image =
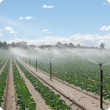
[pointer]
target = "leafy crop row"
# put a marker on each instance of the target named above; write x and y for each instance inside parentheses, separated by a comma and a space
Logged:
(4, 61)
(23, 95)
(3, 78)
(51, 98)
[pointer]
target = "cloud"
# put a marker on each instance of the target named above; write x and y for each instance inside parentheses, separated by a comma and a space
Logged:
(21, 18)
(0, 34)
(45, 6)
(45, 30)
(48, 32)
(105, 28)
(13, 31)
(10, 29)
(26, 34)
(104, 3)
(34, 17)
(1, 30)
(1, 1)
(84, 40)
(28, 18)
(108, 1)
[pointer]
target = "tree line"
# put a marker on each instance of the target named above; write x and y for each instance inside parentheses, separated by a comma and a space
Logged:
(58, 45)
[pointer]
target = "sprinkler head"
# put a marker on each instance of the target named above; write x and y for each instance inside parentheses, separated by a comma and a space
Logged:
(100, 65)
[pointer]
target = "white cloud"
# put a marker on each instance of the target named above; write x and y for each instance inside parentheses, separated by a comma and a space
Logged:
(108, 1)
(45, 6)
(13, 31)
(0, 34)
(28, 18)
(21, 18)
(45, 30)
(34, 17)
(84, 40)
(26, 34)
(105, 28)
(10, 29)
(104, 3)
(48, 32)
(1, 30)
(1, 1)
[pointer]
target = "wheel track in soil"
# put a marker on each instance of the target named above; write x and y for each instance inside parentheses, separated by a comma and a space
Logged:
(92, 96)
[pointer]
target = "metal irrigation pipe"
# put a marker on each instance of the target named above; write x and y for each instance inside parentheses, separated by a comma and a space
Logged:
(101, 86)
(50, 70)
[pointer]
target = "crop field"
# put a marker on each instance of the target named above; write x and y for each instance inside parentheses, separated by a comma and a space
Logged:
(25, 82)
(78, 71)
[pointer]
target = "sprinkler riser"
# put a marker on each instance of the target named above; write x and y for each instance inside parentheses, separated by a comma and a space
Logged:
(50, 70)
(101, 87)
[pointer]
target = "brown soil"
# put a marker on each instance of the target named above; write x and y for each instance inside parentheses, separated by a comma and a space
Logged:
(40, 103)
(80, 97)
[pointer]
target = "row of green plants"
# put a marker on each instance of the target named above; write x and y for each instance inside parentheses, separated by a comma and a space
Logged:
(49, 96)
(3, 56)
(3, 77)
(79, 72)
(2, 53)
(3, 62)
(24, 97)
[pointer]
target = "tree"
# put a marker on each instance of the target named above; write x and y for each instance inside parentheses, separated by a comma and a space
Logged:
(65, 45)
(71, 45)
(78, 45)
(13, 44)
(102, 45)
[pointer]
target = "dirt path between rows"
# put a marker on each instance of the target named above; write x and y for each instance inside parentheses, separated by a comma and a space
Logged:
(87, 102)
(40, 103)
(10, 96)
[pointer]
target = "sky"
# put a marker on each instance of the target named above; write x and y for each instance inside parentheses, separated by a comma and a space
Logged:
(45, 22)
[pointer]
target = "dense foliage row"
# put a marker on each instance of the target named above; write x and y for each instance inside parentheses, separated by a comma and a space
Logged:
(3, 62)
(3, 78)
(3, 56)
(51, 98)
(24, 97)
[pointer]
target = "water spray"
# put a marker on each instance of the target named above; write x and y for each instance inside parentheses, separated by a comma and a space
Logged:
(25, 60)
(50, 70)
(29, 61)
(36, 64)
